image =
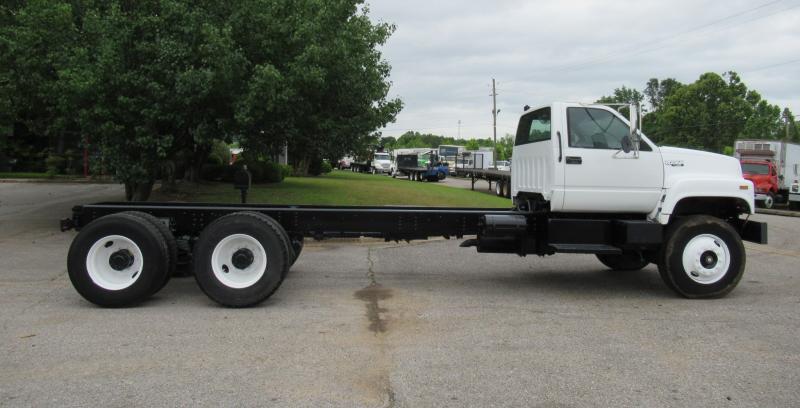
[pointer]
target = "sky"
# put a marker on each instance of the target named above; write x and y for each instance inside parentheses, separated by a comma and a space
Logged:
(445, 53)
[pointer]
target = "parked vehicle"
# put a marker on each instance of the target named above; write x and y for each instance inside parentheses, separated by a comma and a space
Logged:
(449, 154)
(394, 167)
(765, 179)
(422, 167)
(344, 162)
(474, 159)
(772, 165)
(794, 196)
(503, 165)
(587, 183)
(381, 163)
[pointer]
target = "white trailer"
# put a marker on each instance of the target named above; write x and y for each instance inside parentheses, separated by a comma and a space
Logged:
(480, 159)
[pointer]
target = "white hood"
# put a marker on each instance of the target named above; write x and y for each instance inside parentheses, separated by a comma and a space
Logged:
(679, 163)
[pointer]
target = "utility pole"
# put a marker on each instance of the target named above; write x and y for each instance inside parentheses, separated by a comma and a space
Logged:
(494, 123)
(459, 129)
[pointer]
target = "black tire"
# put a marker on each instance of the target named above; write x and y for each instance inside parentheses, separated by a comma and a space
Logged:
(261, 229)
(721, 237)
(297, 247)
(626, 261)
(769, 202)
(172, 245)
(290, 247)
(147, 239)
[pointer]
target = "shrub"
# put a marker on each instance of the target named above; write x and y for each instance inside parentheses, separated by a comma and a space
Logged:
(213, 172)
(315, 167)
(273, 172)
(326, 167)
(220, 153)
(257, 170)
(54, 164)
(286, 170)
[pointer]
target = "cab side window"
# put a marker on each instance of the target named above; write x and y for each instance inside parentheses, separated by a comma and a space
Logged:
(592, 128)
(534, 127)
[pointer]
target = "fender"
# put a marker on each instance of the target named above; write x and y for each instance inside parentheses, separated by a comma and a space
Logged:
(714, 187)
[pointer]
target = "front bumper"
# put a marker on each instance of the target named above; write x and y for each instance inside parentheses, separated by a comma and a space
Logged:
(761, 196)
(794, 197)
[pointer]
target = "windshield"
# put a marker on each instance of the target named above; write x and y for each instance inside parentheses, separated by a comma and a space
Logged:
(752, 168)
(383, 156)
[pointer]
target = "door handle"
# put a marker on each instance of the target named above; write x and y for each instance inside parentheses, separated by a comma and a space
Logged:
(574, 160)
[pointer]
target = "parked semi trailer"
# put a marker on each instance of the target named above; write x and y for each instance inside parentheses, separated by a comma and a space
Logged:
(585, 181)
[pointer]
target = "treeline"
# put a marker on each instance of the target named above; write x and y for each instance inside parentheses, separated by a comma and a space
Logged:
(708, 114)
(151, 86)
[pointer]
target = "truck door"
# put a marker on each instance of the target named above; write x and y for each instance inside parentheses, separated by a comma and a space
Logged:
(598, 175)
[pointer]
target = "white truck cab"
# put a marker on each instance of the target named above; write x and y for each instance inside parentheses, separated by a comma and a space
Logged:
(586, 158)
(381, 163)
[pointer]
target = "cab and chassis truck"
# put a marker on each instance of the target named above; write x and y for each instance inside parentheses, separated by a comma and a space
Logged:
(585, 181)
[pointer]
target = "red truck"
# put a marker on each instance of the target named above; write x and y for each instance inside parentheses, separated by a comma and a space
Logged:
(773, 166)
(765, 180)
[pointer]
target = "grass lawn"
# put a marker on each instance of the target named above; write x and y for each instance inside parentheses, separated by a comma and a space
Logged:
(23, 175)
(347, 188)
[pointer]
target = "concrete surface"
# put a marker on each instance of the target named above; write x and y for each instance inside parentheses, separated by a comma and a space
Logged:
(370, 324)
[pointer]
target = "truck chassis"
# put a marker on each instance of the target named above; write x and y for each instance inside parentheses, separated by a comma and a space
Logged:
(240, 253)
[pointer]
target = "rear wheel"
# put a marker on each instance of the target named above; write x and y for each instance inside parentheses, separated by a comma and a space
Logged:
(703, 257)
(172, 245)
(241, 259)
(626, 261)
(498, 188)
(117, 260)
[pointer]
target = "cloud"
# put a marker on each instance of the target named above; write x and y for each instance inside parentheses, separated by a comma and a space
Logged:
(444, 53)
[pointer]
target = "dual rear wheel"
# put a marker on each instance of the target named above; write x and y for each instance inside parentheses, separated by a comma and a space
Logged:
(239, 259)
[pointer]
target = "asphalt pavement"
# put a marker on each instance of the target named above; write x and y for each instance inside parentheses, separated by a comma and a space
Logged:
(363, 323)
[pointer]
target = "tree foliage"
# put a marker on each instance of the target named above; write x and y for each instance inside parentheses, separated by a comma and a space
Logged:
(156, 83)
(708, 114)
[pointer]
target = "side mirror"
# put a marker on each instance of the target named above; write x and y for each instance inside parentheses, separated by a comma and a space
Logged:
(627, 145)
(634, 119)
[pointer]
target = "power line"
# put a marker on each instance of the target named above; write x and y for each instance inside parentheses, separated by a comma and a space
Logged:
(773, 65)
(645, 47)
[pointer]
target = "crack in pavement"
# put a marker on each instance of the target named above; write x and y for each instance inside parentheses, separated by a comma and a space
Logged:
(371, 295)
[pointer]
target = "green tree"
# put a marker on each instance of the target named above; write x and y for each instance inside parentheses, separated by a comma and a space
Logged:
(708, 114)
(318, 82)
(472, 144)
(657, 91)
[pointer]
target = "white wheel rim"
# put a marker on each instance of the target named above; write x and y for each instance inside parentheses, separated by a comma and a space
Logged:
(99, 267)
(768, 202)
(706, 259)
(230, 275)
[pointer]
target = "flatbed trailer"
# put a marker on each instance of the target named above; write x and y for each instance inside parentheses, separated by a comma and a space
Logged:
(423, 173)
(501, 179)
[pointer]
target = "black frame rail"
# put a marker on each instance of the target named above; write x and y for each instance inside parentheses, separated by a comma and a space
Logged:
(390, 222)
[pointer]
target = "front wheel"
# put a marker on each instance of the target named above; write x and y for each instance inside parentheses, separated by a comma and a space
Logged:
(702, 257)
(769, 202)
(626, 261)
